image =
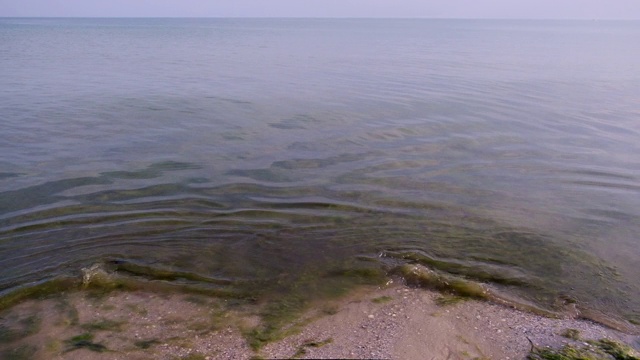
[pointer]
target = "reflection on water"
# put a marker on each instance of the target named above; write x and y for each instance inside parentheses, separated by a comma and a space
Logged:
(221, 153)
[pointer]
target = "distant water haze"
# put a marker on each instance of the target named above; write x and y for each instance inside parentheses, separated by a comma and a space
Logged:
(224, 151)
(488, 9)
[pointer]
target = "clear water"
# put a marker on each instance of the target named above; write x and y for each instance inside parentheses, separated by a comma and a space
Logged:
(255, 149)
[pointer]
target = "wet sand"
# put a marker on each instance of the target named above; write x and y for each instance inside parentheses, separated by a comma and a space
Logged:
(394, 322)
(412, 325)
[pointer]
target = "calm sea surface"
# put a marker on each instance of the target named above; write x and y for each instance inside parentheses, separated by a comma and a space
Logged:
(231, 151)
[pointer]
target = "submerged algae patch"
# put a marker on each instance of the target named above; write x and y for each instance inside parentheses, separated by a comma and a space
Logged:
(282, 310)
(99, 280)
(476, 271)
(536, 267)
(104, 325)
(38, 291)
(23, 352)
(84, 341)
(427, 278)
(154, 273)
(24, 327)
(457, 260)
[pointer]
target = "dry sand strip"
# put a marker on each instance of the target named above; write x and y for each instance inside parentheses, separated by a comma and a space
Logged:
(395, 322)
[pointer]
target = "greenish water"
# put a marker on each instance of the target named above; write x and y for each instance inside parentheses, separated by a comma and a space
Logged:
(259, 158)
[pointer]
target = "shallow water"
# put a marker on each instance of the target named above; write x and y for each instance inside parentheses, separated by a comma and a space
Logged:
(236, 151)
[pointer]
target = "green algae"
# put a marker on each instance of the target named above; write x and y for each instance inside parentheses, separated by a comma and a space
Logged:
(448, 299)
(355, 223)
(84, 341)
(25, 327)
(617, 350)
(329, 309)
(381, 299)
(285, 297)
(421, 276)
(603, 349)
(104, 325)
(278, 321)
(137, 309)
(281, 312)
(302, 349)
(146, 344)
(427, 278)
(193, 356)
(68, 313)
(155, 273)
(22, 352)
(201, 326)
(476, 271)
(37, 291)
(633, 318)
(99, 281)
(525, 262)
(317, 344)
(572, 334)
(528, 264)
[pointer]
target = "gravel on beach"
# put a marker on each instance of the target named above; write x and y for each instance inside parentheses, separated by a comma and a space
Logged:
(392, 322)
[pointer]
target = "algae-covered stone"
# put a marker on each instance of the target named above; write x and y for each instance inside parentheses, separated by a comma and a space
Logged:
(96, 275)
(421, 276)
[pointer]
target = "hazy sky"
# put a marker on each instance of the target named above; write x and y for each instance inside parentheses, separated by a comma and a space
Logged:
(552, 9)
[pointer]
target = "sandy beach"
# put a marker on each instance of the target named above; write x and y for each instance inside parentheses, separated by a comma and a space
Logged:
(389, 322)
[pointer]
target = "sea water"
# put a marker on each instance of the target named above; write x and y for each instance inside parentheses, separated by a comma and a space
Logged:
(220, 152)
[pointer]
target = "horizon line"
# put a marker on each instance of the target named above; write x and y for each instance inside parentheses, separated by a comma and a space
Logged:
(314, 17)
